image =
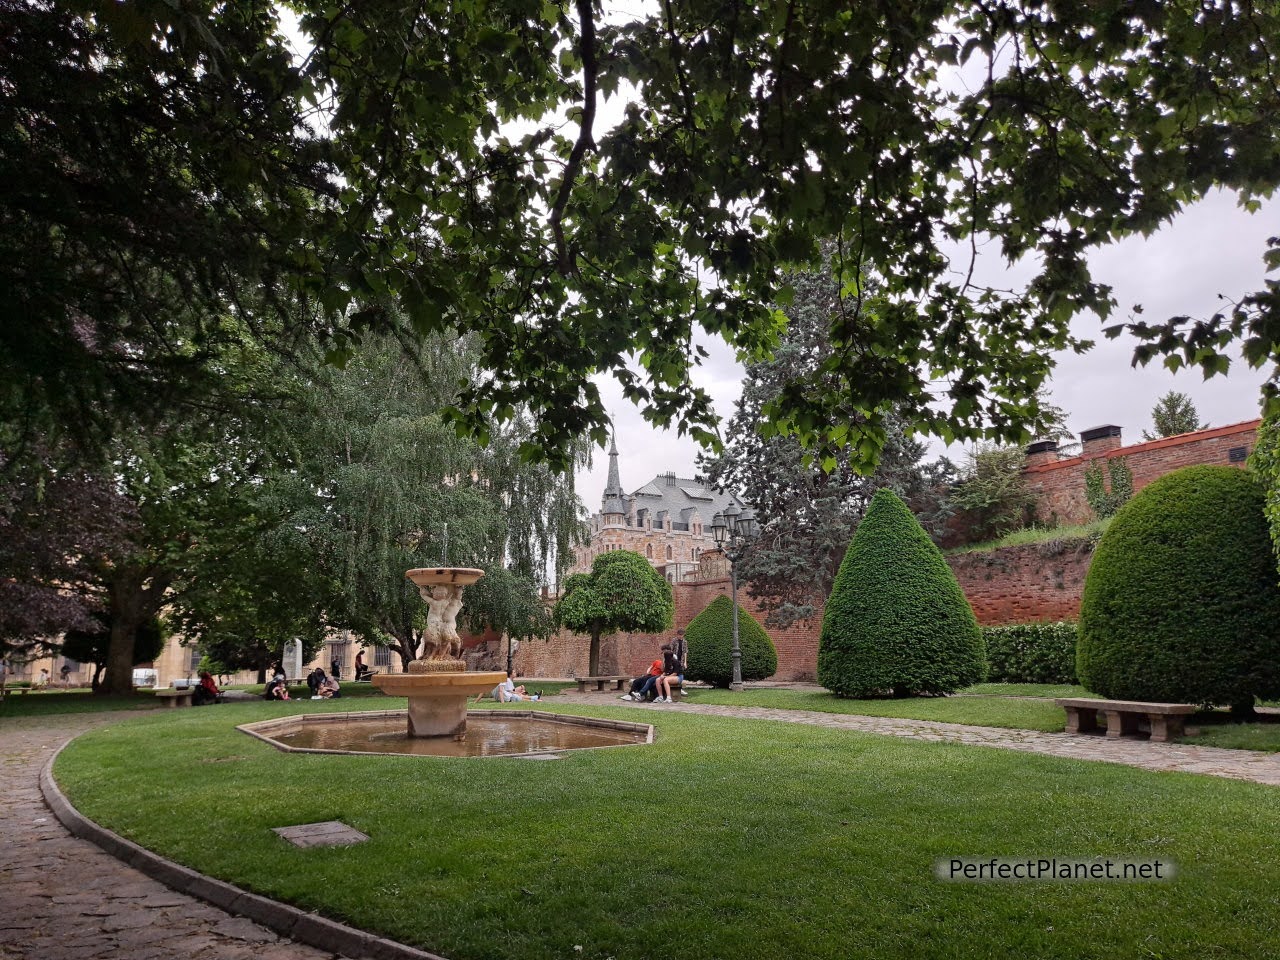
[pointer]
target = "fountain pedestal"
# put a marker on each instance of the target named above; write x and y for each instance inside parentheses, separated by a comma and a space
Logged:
(438, 687)
(437, 701)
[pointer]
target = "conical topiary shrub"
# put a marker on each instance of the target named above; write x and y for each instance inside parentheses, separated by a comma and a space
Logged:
(1181, 602)
(709, 638)
(897, 621)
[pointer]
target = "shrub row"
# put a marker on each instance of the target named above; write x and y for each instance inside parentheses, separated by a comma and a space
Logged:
(1031, 653)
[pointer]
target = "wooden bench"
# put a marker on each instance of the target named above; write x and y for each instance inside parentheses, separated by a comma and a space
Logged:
(175, 698)
(601, 681)
(1125, 717)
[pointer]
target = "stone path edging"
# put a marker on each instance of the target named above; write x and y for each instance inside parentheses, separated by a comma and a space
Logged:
(286, 920)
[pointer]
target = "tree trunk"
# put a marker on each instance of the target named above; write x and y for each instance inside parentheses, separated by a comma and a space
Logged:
(593, 668)
(134, 594)
(125, 599)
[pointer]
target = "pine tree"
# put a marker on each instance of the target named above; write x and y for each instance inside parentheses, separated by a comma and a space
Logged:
(1174, 413)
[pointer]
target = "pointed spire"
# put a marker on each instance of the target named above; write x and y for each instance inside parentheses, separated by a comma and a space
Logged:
(612, 501)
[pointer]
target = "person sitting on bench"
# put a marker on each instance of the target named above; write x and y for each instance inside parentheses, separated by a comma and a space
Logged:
(206, 692)
(641, 686)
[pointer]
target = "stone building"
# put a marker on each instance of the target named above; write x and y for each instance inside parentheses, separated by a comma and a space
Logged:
(667, 521)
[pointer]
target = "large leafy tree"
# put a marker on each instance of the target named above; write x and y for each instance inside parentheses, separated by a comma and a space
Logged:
(93, 645)
(622, 592)
(157, 174)
(417, 155)
(251, 584)
(380, 484)
(1174, 413)
(58, 521)
(810, 509)
(510, 605)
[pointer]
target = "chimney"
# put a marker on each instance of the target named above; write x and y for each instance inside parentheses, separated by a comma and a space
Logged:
(1099, 440)
(1042, 452)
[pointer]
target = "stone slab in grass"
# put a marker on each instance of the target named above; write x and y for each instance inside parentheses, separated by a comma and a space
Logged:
(330, 833)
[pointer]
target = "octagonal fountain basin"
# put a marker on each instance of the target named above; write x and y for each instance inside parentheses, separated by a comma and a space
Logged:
(489, 733)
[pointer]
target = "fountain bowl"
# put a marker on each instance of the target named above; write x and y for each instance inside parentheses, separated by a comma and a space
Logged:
(434, 576)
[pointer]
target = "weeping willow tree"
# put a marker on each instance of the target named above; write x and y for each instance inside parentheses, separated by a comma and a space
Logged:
(382, 484)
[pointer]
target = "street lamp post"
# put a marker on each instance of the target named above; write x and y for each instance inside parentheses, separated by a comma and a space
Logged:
(733, 532)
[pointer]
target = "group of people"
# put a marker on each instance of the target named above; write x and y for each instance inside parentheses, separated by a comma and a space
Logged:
(662, 673)
(323, 687)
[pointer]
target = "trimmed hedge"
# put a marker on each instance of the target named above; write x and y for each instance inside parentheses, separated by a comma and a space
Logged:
(1181, 602)
(1031, 653)
(709, 639)
(897, 621)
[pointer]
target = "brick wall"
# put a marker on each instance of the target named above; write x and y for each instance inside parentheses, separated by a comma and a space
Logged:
(1014, 585)
(1060, 485)
(1036, 582)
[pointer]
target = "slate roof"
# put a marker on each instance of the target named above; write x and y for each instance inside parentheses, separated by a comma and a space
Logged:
(680, 497)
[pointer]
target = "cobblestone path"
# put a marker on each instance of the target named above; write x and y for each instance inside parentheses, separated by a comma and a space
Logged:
(64, 899)
(1181, 757)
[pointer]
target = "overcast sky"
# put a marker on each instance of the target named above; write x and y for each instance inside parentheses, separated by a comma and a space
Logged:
(1213, 248)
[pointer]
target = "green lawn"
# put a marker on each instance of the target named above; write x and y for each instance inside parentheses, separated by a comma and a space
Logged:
(50, 702)
(1049, 690)
(724, 838)
(1237, 736)
(979, 711)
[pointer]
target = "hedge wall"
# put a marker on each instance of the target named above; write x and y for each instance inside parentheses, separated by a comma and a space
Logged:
(1031, 653)
(709, 638)
(1181, 603)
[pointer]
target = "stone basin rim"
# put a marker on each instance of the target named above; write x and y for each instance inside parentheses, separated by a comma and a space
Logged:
(434, 576)
(264, 729)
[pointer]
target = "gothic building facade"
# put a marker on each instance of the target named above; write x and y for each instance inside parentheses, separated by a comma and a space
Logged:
(667, 521)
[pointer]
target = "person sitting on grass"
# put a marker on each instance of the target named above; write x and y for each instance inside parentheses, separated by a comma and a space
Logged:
(641, 686)
(276, 688)
(508, 692)
(314, 679)
(329, 688)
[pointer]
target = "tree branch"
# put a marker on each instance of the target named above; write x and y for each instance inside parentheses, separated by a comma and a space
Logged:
(589, 70)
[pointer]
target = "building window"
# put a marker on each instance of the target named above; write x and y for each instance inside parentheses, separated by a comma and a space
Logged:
(1236, 455)
(194, 664)
(648, 550)
(670, 554)
(381, 656)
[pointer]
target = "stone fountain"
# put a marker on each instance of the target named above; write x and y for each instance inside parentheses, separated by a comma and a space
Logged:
(438, 685)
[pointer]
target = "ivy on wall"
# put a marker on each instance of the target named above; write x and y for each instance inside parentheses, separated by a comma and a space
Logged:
(1102, 501)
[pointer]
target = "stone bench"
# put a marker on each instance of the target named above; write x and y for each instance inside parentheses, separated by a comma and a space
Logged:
(1124, 717)
(175, 698)
(600, 682)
